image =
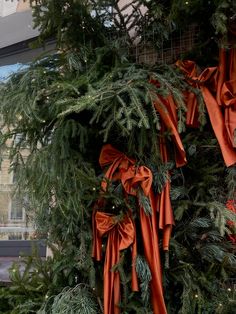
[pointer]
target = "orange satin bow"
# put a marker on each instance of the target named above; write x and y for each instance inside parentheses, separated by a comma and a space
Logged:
(123, 168)
(207, 82)
(226, 91)
(120, 236)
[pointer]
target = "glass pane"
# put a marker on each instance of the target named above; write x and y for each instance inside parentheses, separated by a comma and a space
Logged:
(14, 222)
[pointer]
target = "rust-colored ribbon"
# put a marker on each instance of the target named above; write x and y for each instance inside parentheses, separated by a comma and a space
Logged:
(226, 91)
(120, 236)
(166, 218)
(123, 168)
(207, 82)
(167, 109)
(190, 70)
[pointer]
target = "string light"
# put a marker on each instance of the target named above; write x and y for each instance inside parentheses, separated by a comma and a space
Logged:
(196, 295)
(94, 189)
(220, 304)
(13, 270)
(229, 289)
(46, 296)
(186, 2)
(113, 207)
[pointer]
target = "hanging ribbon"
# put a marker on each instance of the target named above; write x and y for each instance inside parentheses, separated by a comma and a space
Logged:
(166, 107)
(120, 236)
(207, 82)
(226, 91)
(166, 218)
(133, 178)
(190, 70)
(228, 97)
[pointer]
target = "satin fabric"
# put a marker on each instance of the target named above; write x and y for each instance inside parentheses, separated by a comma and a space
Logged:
(166, 218)
(190, 69)
(166, 107)
(133, 178)
(209, 82)
(120, 235)
(226, 91)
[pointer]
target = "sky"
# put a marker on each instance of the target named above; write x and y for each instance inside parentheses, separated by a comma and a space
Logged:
(6, 70)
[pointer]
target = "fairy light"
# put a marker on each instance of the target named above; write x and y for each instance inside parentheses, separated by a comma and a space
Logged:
(94, 189)
(13, 270)
(186, 2)
(46, 296)
(220, 304)
(196, 296)
(229, 289)
(113, 207)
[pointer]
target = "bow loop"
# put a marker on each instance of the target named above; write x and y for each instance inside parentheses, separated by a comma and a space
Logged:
(188, 67)
(117, 161)
(228, 95)
(125, 228)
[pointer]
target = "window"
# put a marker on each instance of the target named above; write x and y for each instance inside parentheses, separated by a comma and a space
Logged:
(16, 210)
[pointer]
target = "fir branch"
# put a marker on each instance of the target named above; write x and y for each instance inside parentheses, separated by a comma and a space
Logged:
(144, 202)
(221, 215)
(145, 277)
(78, 299)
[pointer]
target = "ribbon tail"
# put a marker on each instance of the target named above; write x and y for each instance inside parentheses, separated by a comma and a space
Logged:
(192, 111)
(134, 256)
(166, 218)
(230, 124)
(221, 74)
(151, 252)
(217, 122)
(111, 277)
(97, 241)
(232, 66)
(169, 123)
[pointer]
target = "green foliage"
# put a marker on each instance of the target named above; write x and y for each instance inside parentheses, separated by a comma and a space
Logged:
(71, 300)
(145, 277)
(201, 258)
